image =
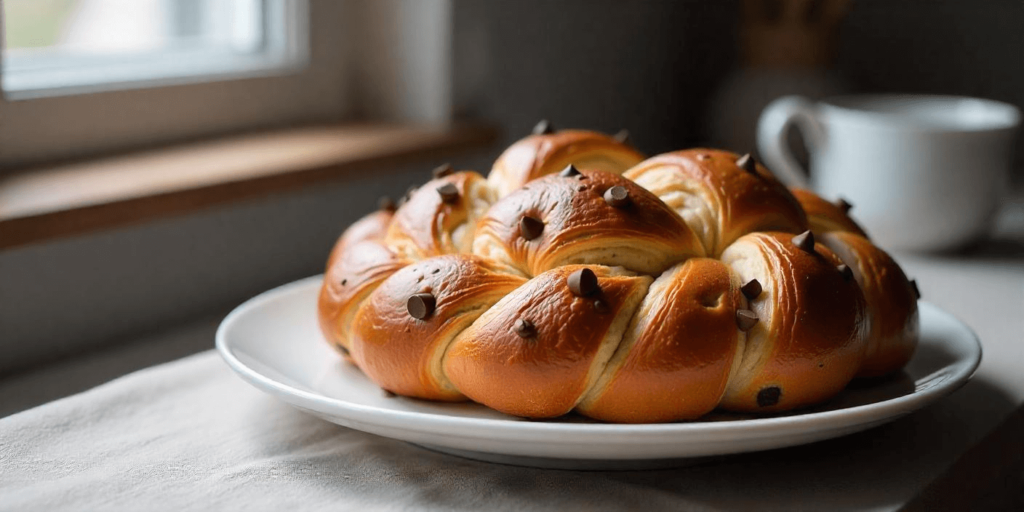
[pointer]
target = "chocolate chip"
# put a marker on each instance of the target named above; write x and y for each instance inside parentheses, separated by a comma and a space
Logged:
(617, 196)
(344, 282)
(530, 227)
(569, 171)
(385, 203)
(917, 291)
(752, 289)
(844, 205)
(747, 163)
(846, 271)
(543, 128)
(768, 396)
(449, 193)
(525, 328)
(805, 241)
(622, 137)
(600, 306)
(745, 319)
(582, 282)
(442, 170)
(421, 305)
(408, 195)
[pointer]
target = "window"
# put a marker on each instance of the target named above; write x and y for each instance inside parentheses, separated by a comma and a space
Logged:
(56, 47)
(82, 78)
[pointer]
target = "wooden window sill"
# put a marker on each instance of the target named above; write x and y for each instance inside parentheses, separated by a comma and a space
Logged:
(49, 203)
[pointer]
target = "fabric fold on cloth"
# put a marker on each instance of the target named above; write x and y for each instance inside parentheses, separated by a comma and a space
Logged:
(190, 435)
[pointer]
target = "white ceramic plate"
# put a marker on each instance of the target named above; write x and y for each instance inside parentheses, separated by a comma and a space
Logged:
(274, 343)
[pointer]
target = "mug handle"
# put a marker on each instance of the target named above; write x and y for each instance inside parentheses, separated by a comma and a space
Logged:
(773, 144)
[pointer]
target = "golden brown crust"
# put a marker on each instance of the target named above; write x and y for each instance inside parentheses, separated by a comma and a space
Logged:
(824, 216)
(539, 155)
(426, 225)
(891, 303)
(809, 341)
(372, 226)
(678, 352)
(546, 374)
(354, 273)
(401, 353)
(435, 300)
(718, 199)
(581, 227)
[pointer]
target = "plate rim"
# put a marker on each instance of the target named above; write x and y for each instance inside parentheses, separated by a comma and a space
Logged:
(483, 427)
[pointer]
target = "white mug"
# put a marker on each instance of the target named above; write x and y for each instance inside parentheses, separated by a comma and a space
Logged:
(923, 172)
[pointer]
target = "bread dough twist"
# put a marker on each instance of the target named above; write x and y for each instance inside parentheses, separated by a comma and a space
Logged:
(691, 282)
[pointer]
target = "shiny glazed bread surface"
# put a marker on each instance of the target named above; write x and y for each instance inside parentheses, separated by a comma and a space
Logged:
(549, 288)
(428, 224)
(810, 339)
(547, 153)
(402, 353)
(824, 216)
(720, 195)
(891, 302)
(580, 226)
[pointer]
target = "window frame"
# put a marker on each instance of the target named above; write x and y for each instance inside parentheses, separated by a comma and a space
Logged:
(314, 89)
(282, 51)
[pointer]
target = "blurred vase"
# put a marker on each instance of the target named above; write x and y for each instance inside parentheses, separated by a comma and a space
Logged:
(739, 101)
(785, 47)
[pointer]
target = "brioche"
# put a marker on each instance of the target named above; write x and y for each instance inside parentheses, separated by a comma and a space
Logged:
(891, 302)
(357, 264)
(544, 345)
(371, 227)
(809, 340)
(824, 216)
(679, 351)
(400, 335)
(548, 151)
(721, 195)
(578, 277)
(438, 218)
(573, 218)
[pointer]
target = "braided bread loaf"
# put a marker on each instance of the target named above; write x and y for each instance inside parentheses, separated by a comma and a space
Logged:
(579, 277)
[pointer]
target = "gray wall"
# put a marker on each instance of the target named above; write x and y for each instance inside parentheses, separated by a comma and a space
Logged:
(88, 291)
(653, 66)
(969, 47)
(605, 65)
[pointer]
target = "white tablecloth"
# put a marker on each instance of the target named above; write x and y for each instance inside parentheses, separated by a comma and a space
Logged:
(190, 435)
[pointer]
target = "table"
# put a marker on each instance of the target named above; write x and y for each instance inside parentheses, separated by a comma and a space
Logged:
(191, 435)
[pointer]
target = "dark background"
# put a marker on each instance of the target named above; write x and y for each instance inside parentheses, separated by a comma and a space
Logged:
(654, 66)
